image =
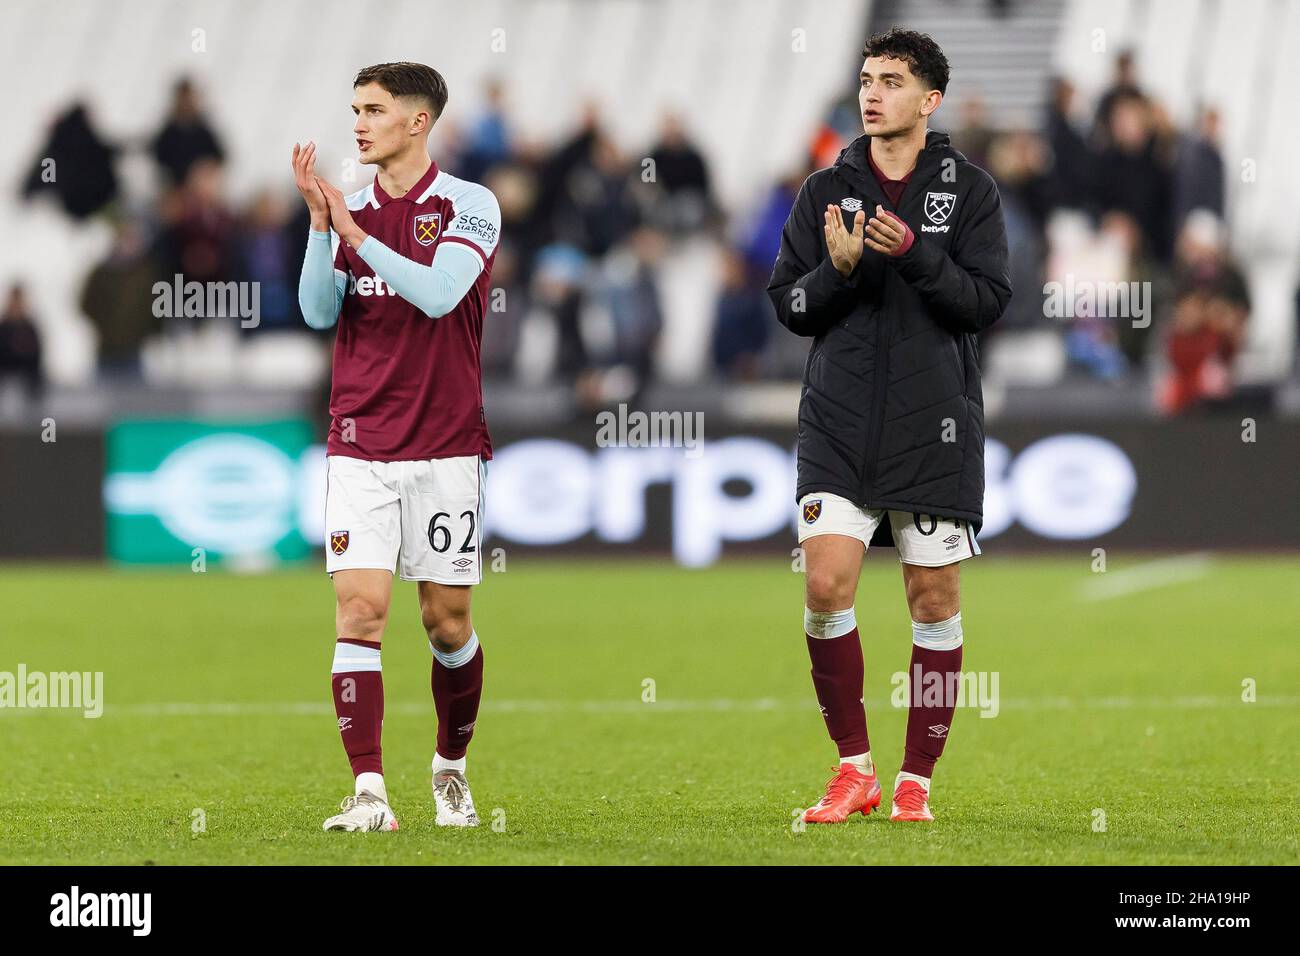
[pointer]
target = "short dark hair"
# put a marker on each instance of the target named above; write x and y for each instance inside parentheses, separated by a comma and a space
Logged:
(408, 79)
(918, 50)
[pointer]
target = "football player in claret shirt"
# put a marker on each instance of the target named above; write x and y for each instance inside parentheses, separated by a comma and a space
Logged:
(408, 440)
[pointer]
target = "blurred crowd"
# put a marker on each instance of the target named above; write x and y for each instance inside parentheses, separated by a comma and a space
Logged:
(1118, 196)
(1114, 205)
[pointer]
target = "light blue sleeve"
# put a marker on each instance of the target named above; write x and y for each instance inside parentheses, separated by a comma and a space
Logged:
(320, 287)
(433, 289)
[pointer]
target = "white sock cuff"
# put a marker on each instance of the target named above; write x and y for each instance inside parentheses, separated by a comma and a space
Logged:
(354, 657)
(941, 636)
(441, 763)
(374, 782)
(917, 778)
(461, 655)
(827, 624)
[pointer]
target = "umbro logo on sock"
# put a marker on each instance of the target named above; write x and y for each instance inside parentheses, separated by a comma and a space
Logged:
(467, 728)
(343, 722)
(938, 730)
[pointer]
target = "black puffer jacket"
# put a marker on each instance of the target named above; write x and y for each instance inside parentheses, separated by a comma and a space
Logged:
(891, 414)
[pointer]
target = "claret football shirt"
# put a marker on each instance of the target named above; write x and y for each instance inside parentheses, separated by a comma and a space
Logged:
(407, 387)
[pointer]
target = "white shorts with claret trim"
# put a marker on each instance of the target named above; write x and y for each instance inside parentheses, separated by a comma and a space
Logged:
(424, 518)
(925, 540)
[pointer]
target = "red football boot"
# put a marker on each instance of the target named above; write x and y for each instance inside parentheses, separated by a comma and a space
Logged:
(911, 803)
(849, 791)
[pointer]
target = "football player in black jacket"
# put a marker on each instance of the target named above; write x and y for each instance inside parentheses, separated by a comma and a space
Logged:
(891, 417)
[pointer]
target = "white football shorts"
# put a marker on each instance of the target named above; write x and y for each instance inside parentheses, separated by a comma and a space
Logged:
(925, 540)
(423, 517)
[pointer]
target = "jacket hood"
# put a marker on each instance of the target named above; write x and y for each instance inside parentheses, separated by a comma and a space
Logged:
(937, 148)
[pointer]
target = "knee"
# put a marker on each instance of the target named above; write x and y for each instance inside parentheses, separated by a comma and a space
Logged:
(931, 605)
(361, 617)
(828, 591)
(448, 630)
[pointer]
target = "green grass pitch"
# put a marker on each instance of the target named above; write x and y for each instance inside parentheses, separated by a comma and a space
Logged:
(1125, 710)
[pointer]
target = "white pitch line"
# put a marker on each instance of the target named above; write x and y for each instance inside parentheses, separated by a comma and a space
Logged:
(636, 706)
(1147, 576)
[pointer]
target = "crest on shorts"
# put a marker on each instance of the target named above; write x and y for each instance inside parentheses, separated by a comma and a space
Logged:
(812, 510)
(427, 228)
(338, 541)
(938, 206)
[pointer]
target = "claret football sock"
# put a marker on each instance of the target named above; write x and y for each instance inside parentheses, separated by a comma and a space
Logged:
(457, 684)
(836, 653)
(933, 681)
(358, 686)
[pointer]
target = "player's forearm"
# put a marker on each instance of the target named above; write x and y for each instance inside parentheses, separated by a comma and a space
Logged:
(813, 302)
(965, 296)
(318, 292)
(433, 289)
(970, 288)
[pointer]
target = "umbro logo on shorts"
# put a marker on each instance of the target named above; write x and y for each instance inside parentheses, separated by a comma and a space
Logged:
(343, 722)
(463, 563)
(812, 510)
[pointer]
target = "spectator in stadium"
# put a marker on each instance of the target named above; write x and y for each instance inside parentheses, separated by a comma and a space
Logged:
(1133, 174)
(1018, 161)
(763, 241)
(507, 306)
(555, 167)
(629, 288)
(974, 138)
(683, 175)
(557, 294)
(1123, 86)
(599, 204)
(487, 142)
(197, 238)
(20, 342)
(1208, 325)
(118, 300)
(1198, 172)
(76, 165)
(524, 229)
(743, 320)
(1208, 330)
(270, 248)
(186, 136)
(1071, 177)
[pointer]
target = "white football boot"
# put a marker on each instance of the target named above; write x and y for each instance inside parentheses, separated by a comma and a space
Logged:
(452, 797)
(364, 812)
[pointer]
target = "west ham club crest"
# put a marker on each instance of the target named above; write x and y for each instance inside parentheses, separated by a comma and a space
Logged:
(427, 227)
(938, 206)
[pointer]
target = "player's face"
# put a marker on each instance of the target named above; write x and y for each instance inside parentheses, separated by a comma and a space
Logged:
(891, 99)
(383, 125)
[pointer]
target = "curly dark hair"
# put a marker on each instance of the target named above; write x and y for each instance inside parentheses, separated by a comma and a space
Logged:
(408, 79)
(918, 50)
